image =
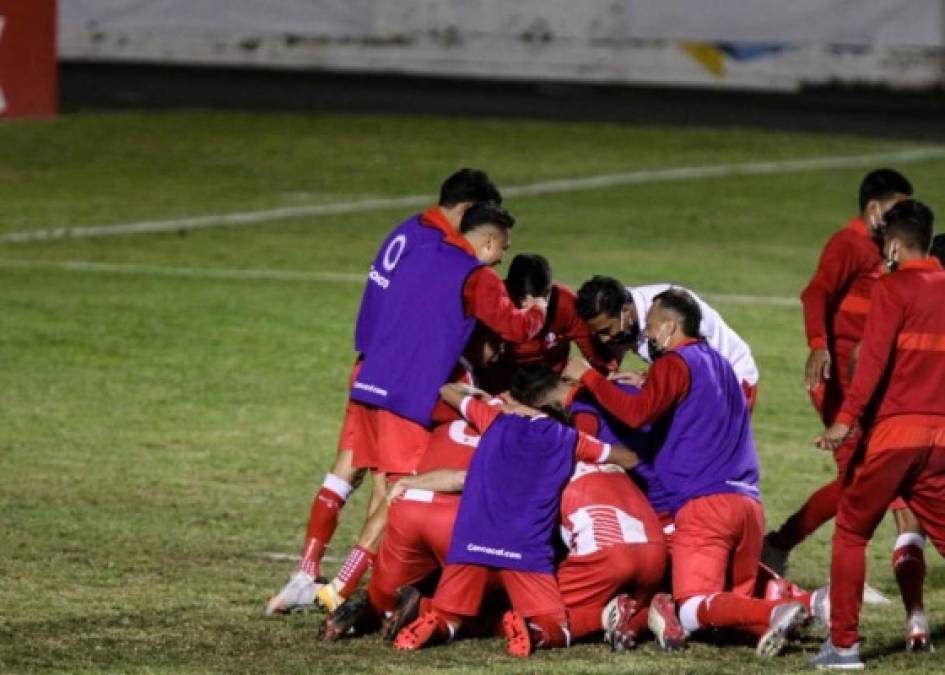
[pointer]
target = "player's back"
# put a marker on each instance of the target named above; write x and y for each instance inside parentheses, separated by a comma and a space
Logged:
(601, 506)
(918, 367)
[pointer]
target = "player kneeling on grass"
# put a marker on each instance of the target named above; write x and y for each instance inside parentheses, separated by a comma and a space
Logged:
(616, 554)
(707, 462)
(506, 519)
(420, 518)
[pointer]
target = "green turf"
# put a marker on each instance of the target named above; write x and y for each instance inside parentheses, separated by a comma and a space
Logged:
(159, 434)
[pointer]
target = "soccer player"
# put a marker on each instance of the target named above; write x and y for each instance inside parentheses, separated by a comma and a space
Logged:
(902, 367)
(616, 554)
(529, 275)
(413, 334)
(707, 462)
(505, 525)
(835, 304)
(484, 297)
(420, 520)
(616, 314)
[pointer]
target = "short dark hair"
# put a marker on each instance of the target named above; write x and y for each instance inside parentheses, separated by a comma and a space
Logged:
(486, 213)
(883, 184)
(531, 383)
(683, 305)
(468, 185)
(529, 274)
(911, 222)
(601, 295)
(938, 247)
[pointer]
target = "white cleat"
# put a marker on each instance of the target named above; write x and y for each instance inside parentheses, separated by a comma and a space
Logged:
(871, 596)
(786, 620)
(918, 637)
(298, 595)
(820, 606)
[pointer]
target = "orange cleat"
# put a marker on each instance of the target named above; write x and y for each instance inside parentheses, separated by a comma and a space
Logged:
(518, 641)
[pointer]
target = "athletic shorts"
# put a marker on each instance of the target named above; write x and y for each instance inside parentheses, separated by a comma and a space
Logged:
(717, 546)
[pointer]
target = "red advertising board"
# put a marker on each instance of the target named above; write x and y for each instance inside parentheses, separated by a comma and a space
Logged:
(27, 58)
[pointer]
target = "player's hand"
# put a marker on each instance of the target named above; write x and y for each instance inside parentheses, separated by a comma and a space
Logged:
(833, 437)
(397, 489)
(817, 369)
(575, 369)
(530, 301)
(628, 377)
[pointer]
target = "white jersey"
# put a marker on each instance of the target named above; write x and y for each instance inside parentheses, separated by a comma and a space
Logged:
(713, 328)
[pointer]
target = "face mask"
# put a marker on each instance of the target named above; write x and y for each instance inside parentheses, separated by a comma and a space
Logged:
(626, 336)
(657, 347)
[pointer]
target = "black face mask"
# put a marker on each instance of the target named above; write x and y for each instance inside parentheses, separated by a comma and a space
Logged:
(626, 338)
(654, 349)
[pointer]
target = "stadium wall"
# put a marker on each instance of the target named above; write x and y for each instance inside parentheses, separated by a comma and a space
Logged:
(752, 44)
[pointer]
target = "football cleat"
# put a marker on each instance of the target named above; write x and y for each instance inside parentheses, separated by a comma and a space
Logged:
(616, 618)
(837, 658)
(298, 595)
(918, 637)
(407, 610)
(664, 623)
(820, 606)
(518, 642)
(343, 620)
(329, 597)
(774, 557)
(786, 620)
(428, 629)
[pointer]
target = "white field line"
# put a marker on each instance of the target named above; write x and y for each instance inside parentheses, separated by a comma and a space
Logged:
(540, 188)
(305, 277)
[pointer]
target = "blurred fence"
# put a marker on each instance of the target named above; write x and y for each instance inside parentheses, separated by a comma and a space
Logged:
(760, 44)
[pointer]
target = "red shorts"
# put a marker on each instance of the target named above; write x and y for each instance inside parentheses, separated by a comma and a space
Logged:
(386, 442)
(595, 578)
(414, 545)
(462, 588)
(717, 545)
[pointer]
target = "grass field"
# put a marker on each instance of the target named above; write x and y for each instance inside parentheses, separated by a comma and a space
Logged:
(162, 430)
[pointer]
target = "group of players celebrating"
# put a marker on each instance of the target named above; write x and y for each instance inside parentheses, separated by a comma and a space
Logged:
(550, 498)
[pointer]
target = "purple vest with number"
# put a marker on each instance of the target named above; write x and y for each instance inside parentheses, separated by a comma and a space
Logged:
(412, 326)
(708, 447)
(509, 511)
(613, 431)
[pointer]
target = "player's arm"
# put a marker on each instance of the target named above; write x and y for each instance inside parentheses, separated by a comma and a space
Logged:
(835, 269)
(487, 299)
(470, 405)
(594, 451)
(879, 337)
(438, 480)
(666, 384)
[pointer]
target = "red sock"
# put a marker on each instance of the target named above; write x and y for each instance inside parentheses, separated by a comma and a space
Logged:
(817, 510)
(322, 521)
(909, 567)
(356, 565)
(638, 624)
(550, 631)
(730, 610)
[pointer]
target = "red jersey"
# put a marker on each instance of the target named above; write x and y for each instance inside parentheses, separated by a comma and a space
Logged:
(902, 358)
(837, 297)
(451, 447)
(601, 506)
